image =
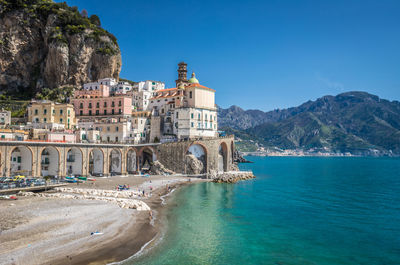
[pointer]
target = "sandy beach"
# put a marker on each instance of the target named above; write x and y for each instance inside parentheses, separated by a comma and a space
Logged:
(36, 230)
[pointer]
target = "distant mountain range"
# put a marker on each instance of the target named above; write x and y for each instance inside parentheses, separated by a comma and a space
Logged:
(355, 122)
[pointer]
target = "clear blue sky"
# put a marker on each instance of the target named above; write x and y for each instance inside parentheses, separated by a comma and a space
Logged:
(260, 54)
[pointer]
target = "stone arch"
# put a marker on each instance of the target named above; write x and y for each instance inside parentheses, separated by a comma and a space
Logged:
(115, 162)
(74, 161)
(21, 158)
(49, 161)
(200, 152)
(147, 156)
(131, 161)
(223, 157)
(96, 162)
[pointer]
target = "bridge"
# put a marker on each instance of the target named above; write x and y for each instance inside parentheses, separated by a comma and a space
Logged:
(37, 159)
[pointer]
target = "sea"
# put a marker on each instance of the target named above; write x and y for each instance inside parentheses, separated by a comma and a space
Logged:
(299, 210)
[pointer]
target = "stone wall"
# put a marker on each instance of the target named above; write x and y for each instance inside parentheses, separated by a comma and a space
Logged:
(173, 155)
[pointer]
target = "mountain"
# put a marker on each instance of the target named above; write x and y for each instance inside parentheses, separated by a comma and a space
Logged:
(47, 45)
(355, 122)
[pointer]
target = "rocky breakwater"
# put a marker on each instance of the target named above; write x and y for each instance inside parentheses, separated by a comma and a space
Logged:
(122, 199)
(232, 176)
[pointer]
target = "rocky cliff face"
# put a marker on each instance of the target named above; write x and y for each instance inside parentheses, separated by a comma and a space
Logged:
(45, 44)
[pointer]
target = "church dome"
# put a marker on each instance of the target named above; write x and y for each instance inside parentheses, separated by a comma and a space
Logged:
(193, 80)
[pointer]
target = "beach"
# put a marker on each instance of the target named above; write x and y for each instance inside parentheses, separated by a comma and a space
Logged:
(42, 230)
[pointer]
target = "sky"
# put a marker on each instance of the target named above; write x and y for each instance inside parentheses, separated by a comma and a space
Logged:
(260, 54)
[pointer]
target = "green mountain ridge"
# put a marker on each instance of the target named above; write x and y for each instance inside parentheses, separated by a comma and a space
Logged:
(355, 122)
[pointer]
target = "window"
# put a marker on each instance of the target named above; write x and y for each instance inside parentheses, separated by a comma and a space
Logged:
(191, 115)
(112, 111)
(90, 105)
(112, 104)
(206, 116)
(105, 104)
(190, 94)
(36, 112)
(198, 125)
(177, 115)
(54, 111)
(108, 129)
(105, 112)
(81, 105)
(98, 105)
(61, 111)
(97, 112)
(205, 126)
(192, 124)
(44, 120)
(81, 113)
(45, 111)
(61, 120)
(69, 112)
(108, 138)
(119, 103)
(117, 129)
(116, 138)
(198, 116)
(119, 111)
(90, 112)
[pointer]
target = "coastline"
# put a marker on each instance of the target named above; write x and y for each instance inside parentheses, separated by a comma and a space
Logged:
(126, 231)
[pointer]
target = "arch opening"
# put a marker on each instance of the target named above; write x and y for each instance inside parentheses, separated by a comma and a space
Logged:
(198, 152)
(49, 162)
(147, 158)
(21, 161)
(115, 162)
(222, 158)
(131, 162)
(96, 162)
(74, 161)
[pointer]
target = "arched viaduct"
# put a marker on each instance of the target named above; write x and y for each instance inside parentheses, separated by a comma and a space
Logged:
(62, 159)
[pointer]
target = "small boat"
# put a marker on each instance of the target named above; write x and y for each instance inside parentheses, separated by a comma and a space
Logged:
(91, 179)
(82, 178)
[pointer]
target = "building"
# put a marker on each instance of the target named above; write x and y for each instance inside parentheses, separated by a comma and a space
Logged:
(185, 112)
(102, 106)
(143, 91)
(5, 118)
(13, 135)
(51, 112)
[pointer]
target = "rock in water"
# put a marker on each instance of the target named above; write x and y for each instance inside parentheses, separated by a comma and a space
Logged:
(49, 45)
(233, 177)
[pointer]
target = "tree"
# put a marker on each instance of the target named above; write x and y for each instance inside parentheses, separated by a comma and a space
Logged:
(84, 13)
(95, 20)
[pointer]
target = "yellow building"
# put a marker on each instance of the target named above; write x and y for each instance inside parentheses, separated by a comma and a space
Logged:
(52, 112)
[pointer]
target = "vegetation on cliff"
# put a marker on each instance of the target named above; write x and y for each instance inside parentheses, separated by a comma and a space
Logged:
(355, 122)
(47, 44)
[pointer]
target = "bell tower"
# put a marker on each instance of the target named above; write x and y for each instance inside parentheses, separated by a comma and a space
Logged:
(182, 74)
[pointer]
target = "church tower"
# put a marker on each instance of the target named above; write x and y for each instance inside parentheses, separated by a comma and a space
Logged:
(182, 74)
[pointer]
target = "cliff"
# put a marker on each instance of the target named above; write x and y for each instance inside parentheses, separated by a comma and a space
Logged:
(47, 45)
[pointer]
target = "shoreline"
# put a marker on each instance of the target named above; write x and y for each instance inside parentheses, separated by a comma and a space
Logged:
(133, 235)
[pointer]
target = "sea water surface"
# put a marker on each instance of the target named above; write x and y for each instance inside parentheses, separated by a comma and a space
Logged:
(299, 210)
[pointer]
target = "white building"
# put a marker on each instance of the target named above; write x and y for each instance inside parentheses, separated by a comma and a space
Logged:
(143, 91)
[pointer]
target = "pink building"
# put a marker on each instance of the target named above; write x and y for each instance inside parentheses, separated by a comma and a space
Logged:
(103, 106)
(96, 92)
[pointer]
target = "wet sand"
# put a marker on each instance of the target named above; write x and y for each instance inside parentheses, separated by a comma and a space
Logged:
(57, 231)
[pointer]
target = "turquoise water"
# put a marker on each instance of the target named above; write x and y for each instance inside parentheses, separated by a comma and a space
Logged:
(298, 211)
